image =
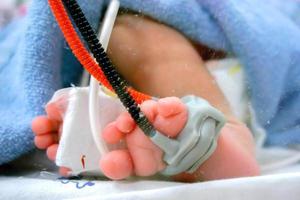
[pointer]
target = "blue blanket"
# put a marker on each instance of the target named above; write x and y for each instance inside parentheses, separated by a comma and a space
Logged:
(264, 35)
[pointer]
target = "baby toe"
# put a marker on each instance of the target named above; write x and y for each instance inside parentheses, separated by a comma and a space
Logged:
(43, 125)
(149, 108)
(44, 141)
(170, 106)
(125, 123)
(51, 151)
(111, 134)
(171, 117)
(54, 112)
(64, 171)
(117, 164)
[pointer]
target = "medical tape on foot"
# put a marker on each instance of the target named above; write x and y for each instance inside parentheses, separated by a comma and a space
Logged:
(196, 142)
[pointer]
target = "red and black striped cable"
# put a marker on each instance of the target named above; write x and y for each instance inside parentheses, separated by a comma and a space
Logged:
(102, 69)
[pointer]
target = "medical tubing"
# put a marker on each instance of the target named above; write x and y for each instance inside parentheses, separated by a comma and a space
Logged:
(80, 52)
(103, 34)
(116, 82)
(93, 43)
(115, 79)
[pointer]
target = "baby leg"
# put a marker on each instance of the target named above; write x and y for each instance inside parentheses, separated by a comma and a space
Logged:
(159, 61)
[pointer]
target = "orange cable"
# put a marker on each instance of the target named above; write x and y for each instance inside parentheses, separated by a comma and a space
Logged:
(80, 52)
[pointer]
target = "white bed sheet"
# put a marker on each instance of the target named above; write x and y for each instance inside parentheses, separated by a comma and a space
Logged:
(280, 180)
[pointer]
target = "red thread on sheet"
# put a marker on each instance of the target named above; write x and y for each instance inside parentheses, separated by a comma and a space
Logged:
(83, 161)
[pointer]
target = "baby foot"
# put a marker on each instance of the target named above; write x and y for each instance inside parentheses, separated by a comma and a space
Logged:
(47, 130)
(142, 157)
(168, 115)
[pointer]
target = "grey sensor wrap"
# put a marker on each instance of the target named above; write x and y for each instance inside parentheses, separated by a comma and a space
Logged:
(196, 142)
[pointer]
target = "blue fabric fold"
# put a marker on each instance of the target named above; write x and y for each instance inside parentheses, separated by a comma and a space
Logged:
(263, 35)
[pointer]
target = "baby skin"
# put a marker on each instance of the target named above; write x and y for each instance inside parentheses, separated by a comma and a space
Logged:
(157, 60)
